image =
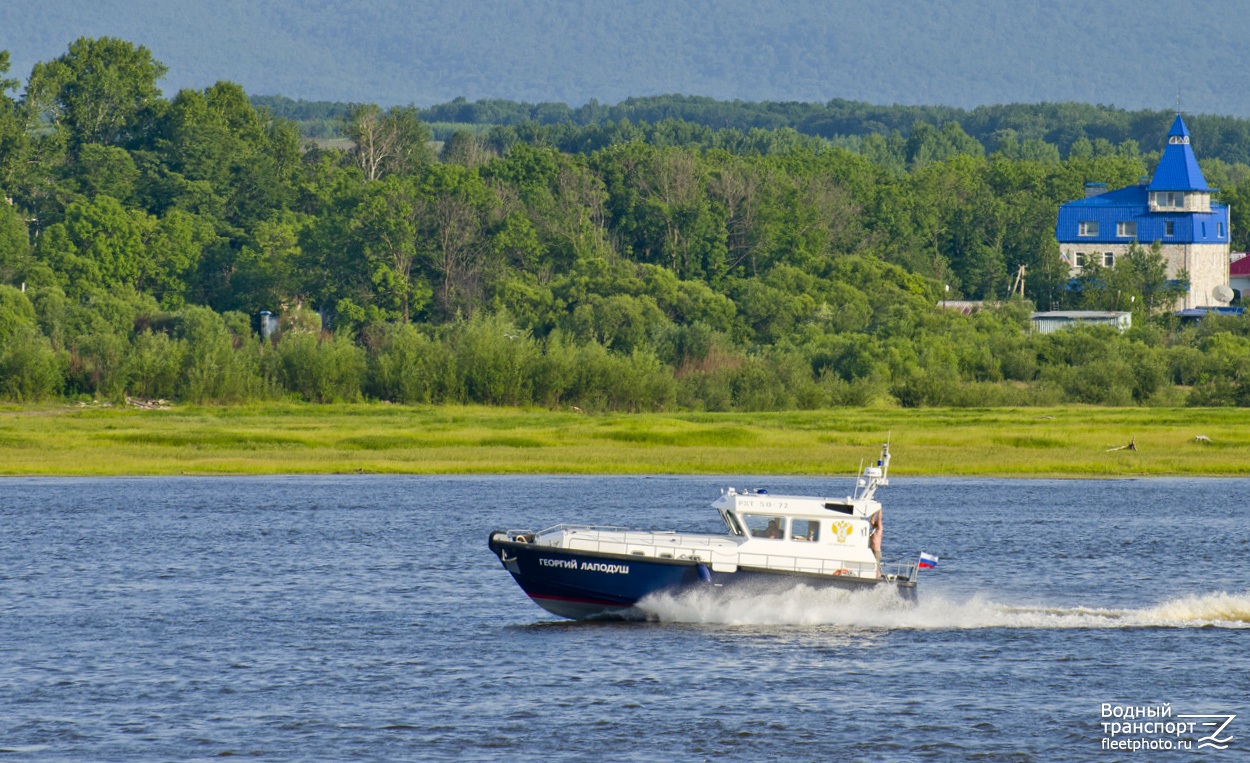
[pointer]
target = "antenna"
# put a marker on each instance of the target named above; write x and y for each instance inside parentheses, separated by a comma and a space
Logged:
(1222, 294)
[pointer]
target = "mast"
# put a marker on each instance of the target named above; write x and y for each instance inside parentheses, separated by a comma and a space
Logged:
(874, 476)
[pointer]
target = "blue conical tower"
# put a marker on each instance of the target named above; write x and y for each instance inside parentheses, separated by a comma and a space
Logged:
(1178, 169)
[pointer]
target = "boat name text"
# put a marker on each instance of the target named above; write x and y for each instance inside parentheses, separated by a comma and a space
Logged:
(572, 564)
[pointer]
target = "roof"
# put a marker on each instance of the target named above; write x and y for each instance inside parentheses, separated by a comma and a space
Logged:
(1202, 312)
(1133, 196)
(1178, 169)
(1240, 267)
(1080, 315)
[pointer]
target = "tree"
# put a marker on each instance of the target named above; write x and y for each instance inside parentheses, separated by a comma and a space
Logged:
(560, 197)
(14, 241)
(103, 244)
(106, 170)
(1141, 281)
(98, 91)
(387, 142)
(455, 203)
(246, 161)
(14, 141)
(271, 267)
(463, 147)
(930, 144)
(390, 219)
(737, 185)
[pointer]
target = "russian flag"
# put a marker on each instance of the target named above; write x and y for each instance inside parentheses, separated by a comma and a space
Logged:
(927, 561)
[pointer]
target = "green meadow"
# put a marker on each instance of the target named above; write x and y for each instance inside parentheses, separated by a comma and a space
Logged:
(1071, 441)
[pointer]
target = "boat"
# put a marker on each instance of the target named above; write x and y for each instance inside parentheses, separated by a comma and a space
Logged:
(772, 543)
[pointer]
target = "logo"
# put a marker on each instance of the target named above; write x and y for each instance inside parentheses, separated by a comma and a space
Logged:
(1216, 722)
(842, 530)
(1154, 727)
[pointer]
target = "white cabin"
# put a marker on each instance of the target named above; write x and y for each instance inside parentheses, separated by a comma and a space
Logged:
(803, 533)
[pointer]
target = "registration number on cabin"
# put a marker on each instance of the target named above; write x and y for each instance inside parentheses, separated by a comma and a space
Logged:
(755, 504)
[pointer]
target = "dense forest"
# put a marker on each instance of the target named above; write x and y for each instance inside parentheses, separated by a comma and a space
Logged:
(618, 264)
(1017, 130)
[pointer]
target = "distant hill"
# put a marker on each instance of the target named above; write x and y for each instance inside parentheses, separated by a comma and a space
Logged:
(1133, 54)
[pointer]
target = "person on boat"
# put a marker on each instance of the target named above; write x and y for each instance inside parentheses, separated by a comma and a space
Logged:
(774, 530)
(874, 537)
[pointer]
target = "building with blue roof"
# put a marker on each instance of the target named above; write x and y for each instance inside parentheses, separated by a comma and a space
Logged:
(1174, 209)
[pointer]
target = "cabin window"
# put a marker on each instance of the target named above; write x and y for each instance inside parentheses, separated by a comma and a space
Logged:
(1088, 228)
(765, 526)
(1126, 230)
(732, 523)
(805, 530)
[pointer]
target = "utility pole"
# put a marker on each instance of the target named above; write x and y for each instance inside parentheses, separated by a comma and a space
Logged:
(1018, 286)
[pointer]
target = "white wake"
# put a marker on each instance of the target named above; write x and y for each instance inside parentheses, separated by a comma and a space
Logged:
(883, 609)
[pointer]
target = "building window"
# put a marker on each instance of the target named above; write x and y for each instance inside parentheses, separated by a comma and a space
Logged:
(1126, 230)
(1204, 230)
(1170, 199)
(1219, 230)
(1169, 228)
(1108, 260)
(1088, 228)
(1080, 260)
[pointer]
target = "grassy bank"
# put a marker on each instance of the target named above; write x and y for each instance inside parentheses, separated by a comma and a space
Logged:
(309, 439)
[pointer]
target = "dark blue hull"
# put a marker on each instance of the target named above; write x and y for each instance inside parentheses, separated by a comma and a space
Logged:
(582, 584)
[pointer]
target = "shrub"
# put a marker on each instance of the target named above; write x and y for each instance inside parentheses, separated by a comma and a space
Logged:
(407, 366)
(29, 368)
(154, 367)
(496, 360)
(321, 370)
(213, 369)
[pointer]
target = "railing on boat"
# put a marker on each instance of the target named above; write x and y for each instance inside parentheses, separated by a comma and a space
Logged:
(624, 536)
(900, 571)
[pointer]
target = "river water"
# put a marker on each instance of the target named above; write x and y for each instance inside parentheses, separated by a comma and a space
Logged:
(363, 618)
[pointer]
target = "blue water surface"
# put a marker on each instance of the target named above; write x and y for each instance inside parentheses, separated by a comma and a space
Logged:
(363, 618)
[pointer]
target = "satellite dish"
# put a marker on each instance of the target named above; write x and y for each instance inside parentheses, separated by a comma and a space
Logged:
(1222, 294)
